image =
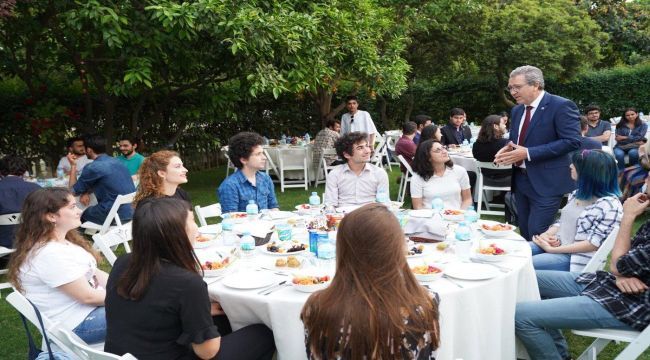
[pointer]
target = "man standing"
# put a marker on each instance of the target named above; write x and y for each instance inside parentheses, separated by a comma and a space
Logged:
(545, 129)
(421, 121)
(250, 182)
(358, 120)
(454, 133)
(76, 148)
(598, 129)
(325, 139)
(130, 158)
(357, 181)
(405, 145)
(106, 177)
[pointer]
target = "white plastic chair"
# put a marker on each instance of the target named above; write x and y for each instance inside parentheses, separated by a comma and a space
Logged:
(638, 341)
(293, 159)
(230, 165)
(120, 200)
(207, 212)
(599, 259)
(83, 350)
(7, 219)
(405, 180)
(270, 166)
(380, 153)
(323, 168)
(482, 188)
(106, 243)
(391, 140)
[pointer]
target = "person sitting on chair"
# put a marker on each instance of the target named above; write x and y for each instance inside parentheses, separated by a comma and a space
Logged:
(160, 175)
(488, 142)
(13, 191)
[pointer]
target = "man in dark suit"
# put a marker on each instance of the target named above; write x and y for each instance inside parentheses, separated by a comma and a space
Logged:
(455, 132)
(545, 130)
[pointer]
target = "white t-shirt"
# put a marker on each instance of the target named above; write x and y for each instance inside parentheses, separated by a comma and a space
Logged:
(64, 163)
(51, 266)
(447, 187)
(362, 122)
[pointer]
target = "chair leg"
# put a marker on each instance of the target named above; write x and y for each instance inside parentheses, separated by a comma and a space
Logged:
(480, 199)
(399, 190)
(406, 183)
(591, 352)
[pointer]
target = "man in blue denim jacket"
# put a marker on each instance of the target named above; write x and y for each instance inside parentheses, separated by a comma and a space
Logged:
(106, 177)
(249, 182)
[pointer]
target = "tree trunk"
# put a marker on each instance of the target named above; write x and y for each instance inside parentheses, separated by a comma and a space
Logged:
(382, 105)
(410, 103)
(502, 94)
(323, 100)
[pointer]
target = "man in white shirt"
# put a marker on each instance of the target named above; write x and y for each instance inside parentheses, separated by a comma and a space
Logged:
(76, 148)
(358, 120)
(357, 181)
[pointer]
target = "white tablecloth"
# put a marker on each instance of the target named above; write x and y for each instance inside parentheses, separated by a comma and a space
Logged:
(476, 322)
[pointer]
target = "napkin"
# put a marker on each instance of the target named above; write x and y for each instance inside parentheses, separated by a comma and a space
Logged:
(258, 228)
(426, 228)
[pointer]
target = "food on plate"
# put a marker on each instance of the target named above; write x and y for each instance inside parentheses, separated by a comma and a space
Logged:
(442, 246)
(275, 248)
(425, 270)
(453, 212)
(237, 215)
(202, 238)
(215, 265)
(415, 250)
(281, 262)
(493, 249)
(497, 227)
(310, 280)
(290, 261)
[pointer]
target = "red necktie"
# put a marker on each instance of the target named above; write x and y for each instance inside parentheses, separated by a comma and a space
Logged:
(524, 128)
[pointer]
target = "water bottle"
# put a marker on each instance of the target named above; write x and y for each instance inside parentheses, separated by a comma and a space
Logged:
(60, 173)
(314, 199)
(437, 205)
(382, 196)
(326, 253)
(307, 139)
(471, 216)
(463, 241)
(247, 245)
(251, 208)
(465, 144)
(283, 140)
(228, 236)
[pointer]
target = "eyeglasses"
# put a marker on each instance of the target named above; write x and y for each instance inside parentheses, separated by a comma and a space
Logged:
(439, 150)
(514, 88)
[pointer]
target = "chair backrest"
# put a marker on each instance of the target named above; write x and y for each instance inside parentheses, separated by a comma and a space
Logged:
(206, 212)
(10, 219)
(406, 165)
(295, 158)
(599, 259)
(112, 214)
(115, 236)
(81, 349)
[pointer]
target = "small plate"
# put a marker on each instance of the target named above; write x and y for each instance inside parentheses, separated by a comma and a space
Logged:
(249, 280)
(236, 217)
(471, 271)
(451, 217)
(212, 240)
(214, 229)
(422, 213)
(311, 288)
(277, 215)
(218, 272)
(429, 277)
(286, 245)
(496, 233)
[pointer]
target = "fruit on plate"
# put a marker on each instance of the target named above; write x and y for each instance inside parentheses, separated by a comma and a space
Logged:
(425, 270)
(310, 280)
(497, 227)
(493, 249)
(215, 265)
(290, 261)
(275, 248)
(442, 246)
(453, 212)
(238, 215)
(415, 250)
(202, 238)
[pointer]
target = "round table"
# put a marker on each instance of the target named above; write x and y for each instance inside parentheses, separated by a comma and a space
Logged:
(476, 321)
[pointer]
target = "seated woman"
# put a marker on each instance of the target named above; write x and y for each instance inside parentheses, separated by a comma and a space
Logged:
(160, 175)
(632, 179)
(590, 215)
(157, 305)
(437, 176)
(630, 134)
(385, 313)
(56, 268)
(430, 132)
(489, 141)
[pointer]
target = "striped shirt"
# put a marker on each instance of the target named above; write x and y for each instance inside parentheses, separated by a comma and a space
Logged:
(633, 310)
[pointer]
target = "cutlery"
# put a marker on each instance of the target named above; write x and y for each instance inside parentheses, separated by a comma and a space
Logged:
(279, 287)
(271, 287)
(452, 281)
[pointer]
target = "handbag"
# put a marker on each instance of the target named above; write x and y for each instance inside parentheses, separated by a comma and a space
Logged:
(34, 352)
(627, 146)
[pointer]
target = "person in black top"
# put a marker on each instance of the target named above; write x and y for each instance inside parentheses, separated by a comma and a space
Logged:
(13, 191)
(160, 175)
(454, 133)
(157, 304)
(488, 142)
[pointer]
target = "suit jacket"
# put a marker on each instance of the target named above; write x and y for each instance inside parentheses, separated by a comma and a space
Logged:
(448, 137)
(590, 144)
(553, 133)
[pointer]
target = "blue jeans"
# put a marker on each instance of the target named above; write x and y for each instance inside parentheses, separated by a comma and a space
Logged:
(545, 261)
(538, 323)
(92, 329)
(620, 157)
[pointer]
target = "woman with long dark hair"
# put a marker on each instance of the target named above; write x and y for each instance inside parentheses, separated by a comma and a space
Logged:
(157, 304)
(489, 141)
(630, 134)
(56, 268)
(430, 132)
(160, 175)
(437, 176)
(374, 308)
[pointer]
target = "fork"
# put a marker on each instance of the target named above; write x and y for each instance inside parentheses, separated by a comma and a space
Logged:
(279, 287)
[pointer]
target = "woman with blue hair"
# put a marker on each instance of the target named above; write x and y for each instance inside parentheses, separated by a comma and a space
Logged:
(590, 215)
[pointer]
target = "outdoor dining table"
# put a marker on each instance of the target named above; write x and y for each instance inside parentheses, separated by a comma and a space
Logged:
(476, 316)
(282, 150)
(52, 182)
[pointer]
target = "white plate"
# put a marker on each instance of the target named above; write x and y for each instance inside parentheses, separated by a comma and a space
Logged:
(271, 264)
(217, 272)
(214, 229)
(310, 288)
(471, 271)
(347, 209)
(429, 277)
(276, 215)
(424, 251)
(243, 217)
(422, 213)
(488, 257)
(493, 233)
(460, 217)
(263, 249)
(249, 280)
(206, 244)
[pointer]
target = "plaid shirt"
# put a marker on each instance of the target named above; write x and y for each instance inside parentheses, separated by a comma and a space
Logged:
(631, 309)
(236, 190)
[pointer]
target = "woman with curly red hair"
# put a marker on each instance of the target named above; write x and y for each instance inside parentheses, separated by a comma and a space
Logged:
(160, 175)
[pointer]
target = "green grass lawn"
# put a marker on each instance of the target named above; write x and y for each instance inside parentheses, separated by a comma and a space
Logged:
(202, 188)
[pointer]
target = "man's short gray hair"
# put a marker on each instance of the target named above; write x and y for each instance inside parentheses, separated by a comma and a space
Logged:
(532, 75)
